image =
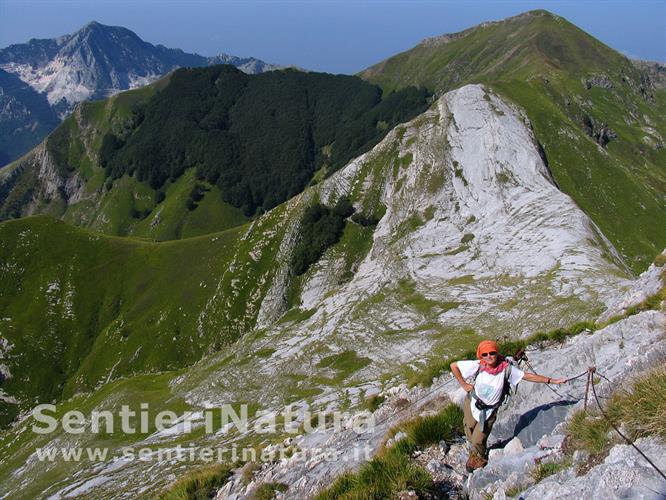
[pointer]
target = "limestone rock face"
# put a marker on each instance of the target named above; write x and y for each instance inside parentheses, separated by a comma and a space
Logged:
(647, 284)
(528, 430)
(474, 234)
(623, 474)
(601, 81)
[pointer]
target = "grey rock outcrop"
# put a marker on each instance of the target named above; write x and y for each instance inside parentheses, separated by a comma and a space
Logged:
(623, 474)
(655, 71)
(529, 429)
(600, 81)
(647, 285)
(598, 131)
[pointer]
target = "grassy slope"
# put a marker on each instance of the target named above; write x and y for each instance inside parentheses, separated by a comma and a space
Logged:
(17, 448)
(105, 306)
(391, 471)
(121, 307)
(114, 209)
(80, 308)
(539, 61)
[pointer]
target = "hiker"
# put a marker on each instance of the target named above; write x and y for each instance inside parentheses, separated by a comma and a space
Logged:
(493, 376)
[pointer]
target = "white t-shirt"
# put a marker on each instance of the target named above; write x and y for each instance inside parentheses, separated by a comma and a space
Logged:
(488, 387)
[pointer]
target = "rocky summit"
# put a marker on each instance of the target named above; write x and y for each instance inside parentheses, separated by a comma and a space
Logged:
(98, 61)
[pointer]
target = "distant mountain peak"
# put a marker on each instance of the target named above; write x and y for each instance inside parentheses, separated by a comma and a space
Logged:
(115, 36)
(97, 27)
(99, 60)
(447, 37)
(95, 62)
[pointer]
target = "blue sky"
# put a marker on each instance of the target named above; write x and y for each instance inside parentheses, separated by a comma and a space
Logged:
(335, 36)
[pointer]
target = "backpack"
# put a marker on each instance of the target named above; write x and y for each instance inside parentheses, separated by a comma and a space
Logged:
(506, 391)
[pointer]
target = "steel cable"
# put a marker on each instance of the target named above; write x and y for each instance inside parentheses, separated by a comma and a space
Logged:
(594, 392)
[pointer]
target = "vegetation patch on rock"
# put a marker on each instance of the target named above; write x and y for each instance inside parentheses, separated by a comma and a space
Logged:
(392, 469)
(321, 227)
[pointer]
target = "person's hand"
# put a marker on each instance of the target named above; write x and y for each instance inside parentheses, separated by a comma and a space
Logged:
(558, 380)
(467, 387)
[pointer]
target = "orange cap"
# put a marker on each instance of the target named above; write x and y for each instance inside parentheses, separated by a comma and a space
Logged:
(486, 346)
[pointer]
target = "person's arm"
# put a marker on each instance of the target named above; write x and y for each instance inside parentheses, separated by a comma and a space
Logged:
(456, 373)
(533, 377)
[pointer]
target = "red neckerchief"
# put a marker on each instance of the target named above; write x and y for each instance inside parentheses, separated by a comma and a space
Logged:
(503, 363)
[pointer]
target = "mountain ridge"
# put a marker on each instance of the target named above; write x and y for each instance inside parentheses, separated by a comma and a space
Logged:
(530, 33)
(139, 163)
(584, 100)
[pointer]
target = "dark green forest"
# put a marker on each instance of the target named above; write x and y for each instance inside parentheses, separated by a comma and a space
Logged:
(321, 227)
(260, 138)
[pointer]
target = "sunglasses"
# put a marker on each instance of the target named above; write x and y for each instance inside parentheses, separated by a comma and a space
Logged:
(491, 353)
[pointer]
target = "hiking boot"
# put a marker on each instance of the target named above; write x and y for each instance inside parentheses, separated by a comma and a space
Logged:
(475, 461)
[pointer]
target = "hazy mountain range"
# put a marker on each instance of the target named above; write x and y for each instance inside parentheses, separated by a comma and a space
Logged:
(95, 62)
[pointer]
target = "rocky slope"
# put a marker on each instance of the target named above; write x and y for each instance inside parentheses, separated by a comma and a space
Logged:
(473, 239)
(620, 352)
(474, 235)
(529, 429)
(595, 114)
(95, 62)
